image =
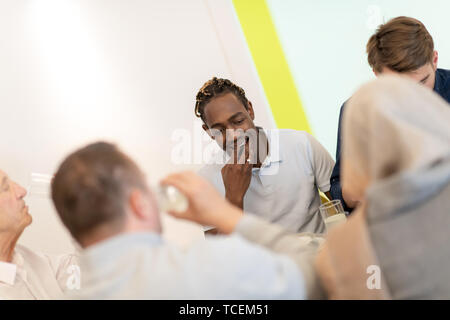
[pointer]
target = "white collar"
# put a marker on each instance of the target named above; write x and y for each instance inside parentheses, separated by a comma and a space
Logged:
(8, 270)
(273, 138)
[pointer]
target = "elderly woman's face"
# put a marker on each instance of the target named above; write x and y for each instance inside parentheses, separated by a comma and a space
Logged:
(14, 216)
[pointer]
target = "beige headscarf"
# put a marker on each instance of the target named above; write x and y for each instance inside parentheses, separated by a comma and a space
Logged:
(391, 127)
(393, 124)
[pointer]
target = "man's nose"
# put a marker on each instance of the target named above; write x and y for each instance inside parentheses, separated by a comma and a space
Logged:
(235, 135)
(21, 192)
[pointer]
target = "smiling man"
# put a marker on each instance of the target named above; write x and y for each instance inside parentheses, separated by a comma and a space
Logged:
(400, 46)
(25, 274)
(276, 174)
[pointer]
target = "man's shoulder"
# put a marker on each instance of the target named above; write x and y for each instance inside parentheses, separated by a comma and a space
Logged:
(444, 72)
(216, 251)
(292, 136)
(231, 245)
(291, 133)
(27, 252)
(33, 257)
(444, 77)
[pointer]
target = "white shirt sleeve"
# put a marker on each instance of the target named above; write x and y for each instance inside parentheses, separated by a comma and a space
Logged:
(322, 163)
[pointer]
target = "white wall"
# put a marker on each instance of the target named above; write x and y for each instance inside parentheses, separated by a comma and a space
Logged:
(126, 71)
(324, 43)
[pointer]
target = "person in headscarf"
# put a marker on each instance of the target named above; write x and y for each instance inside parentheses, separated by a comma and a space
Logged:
(396, 164)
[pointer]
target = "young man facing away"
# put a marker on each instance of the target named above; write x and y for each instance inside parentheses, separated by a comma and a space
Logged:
(400, 46)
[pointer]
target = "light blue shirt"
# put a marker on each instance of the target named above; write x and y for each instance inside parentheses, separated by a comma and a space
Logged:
(144, 266)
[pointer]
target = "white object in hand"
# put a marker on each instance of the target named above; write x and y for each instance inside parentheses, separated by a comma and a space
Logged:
(171, 199)
(335, 220)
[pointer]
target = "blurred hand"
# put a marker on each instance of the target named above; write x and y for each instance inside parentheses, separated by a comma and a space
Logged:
(206, 205)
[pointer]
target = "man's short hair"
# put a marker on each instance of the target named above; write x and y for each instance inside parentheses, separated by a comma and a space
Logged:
(91, 187)
(402, 44)
(214, 88)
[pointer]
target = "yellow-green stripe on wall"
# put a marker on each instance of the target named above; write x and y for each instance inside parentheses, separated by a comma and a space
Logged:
(272, 67)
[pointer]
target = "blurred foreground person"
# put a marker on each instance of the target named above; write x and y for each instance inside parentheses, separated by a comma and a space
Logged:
(25, 274)
(103, 199)
(396, 163)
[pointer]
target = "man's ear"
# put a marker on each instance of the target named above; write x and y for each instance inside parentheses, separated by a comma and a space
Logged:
(137, 204)
(375, 72)
(250, 110)
(435, 60)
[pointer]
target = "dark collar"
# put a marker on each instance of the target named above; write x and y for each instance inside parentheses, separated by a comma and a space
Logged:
(442, 83)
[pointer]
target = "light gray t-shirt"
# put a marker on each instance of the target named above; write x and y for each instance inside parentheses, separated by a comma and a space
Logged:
(285, 189)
